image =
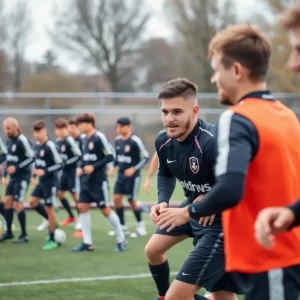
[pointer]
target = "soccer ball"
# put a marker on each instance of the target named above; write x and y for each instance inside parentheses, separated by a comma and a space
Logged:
(59, 236)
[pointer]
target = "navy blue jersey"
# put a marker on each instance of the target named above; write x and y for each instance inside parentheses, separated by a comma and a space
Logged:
(97, 152)
(80, 140)
(48, 159)
(130, 153)
(19, 154)
(3, 151)
(69, 151)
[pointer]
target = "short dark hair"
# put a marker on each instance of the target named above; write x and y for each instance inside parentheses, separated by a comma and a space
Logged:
(73, 121)
(86, 118)
(180, 87)
(124, 121)
(61, 123)
(39, 125)
(290, 18)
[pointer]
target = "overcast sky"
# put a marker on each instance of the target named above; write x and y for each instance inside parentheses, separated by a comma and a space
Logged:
(41, 14)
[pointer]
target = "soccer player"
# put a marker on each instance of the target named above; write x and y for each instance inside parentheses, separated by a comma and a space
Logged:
(68, 181)
(258, 138)
(75, 133)
(19, 158)
(151, 171)
(131, 156)
(47, 163)
(96, 153)
(275, 220)
(186, 151)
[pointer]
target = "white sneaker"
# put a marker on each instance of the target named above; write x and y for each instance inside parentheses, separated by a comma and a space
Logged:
(78, 226)
(141, 229)
(124, 228)
(43, 226)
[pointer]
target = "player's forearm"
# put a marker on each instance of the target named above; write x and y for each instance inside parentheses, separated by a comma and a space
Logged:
(53, 168)
(72, 160)
(296, 210)
(25, 163)
(165, 187)
(142, 162)
(2, 158)
(226, 193)
(153, 166)
(100, 164)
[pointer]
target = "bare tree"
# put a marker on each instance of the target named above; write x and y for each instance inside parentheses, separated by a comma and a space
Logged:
(18, 24)
(105, 33)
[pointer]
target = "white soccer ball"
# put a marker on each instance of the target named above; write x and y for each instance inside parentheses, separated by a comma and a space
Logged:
(59, 236)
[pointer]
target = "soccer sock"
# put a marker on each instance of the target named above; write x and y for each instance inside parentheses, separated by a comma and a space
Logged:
(51, 236)
(120, 213)
(67, 207)
(85, 221)
(115, 223)
(2, 208)
(161, 276)
(22, 220)
(138, 215)
(8, 215)
(41, 210)
(198, 297)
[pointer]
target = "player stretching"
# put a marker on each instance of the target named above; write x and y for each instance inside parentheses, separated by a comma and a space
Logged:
(186, 151)
(68, 181)
(258, 139)
(19, 158)
(96, 153)
(47, 163)
(131, 156)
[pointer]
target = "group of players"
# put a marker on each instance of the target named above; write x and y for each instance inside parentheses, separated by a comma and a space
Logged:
(77, 163)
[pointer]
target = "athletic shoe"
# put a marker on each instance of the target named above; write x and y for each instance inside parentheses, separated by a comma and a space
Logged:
(121, 246)
(50, 245)
(77, 234)
(124, 228)
(21, 239)
(43, 226)
(6, 237)
(141, 229)
(67, 221)
(83, 247)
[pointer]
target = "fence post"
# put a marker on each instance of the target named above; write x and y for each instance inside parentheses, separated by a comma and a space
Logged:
(47, 108)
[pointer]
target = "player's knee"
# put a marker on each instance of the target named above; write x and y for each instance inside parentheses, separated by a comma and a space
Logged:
(118, 201)
(60, 194)
(83, 208)
(8, 202)
(33, 202)
(152, 251)
(106, 211)
(18, 206)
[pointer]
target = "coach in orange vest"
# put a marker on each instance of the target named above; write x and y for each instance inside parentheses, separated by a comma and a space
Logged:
(258, 166)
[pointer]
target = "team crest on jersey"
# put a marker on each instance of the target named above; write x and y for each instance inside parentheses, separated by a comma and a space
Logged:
(91, 145)
(13, 147)
(127, 148)
(194, 164)
(63, 148)
(42, 153)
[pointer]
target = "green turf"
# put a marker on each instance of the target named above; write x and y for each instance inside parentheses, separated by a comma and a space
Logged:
(29, 263)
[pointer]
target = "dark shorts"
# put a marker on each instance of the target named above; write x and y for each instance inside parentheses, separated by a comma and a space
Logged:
(277, 284)
(17, 187)
(97, 192)
(46, 190)
(181, 230)
(68, 181)
(127, 186)
(205, 265)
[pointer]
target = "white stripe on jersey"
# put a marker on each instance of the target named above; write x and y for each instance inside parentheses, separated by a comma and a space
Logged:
(74, 147)
(3, 149)
(143, 152)
(105, 142)
(57, 158)
(28, 149)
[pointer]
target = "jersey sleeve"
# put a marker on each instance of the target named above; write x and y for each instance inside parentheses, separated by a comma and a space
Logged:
(210, 151)
(144, 154)
(104, 147)
(57, 160)
(237, 144)
(75, 150)
(28, 151)
(3, 151)
(296, 210)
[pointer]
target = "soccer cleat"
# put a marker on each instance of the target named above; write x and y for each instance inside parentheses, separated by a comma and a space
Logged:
(6, 237)
(83, 247)
(209, 296)
(43, 226)
(50, 245)
(67, 221)
(78, 226)
(159, 298)
(22, 239)
(124, 228)
(121, 246)
(78, 234)
(141, 229)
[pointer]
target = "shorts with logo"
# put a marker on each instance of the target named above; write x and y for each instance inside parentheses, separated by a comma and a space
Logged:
(205, 266)
(95, 192)
(68, 181)
(127, 186)
(47, 190)
(17, 186)
(276, 284)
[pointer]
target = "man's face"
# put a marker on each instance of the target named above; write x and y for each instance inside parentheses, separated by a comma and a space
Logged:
(225, 80)
(11, 130)
(122, 129)
(84, 127)
(177, 114)
(294, 59)
(40, 135)
(61, 133)
(73, 130)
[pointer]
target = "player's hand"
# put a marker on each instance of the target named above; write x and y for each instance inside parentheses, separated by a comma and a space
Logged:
(147, 184)
(204, 220)
(110, 171)
(88, 169)
(33, 180)
(129, 172)
(154, 212)
(173, 217)
(79, 172)
(271, 221)
(11, 170)
(4, 181)
(39, 172)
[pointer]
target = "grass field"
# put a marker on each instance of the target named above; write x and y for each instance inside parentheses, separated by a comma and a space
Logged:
(27, 272)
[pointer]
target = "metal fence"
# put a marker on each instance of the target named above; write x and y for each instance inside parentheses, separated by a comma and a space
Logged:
(142, 108)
